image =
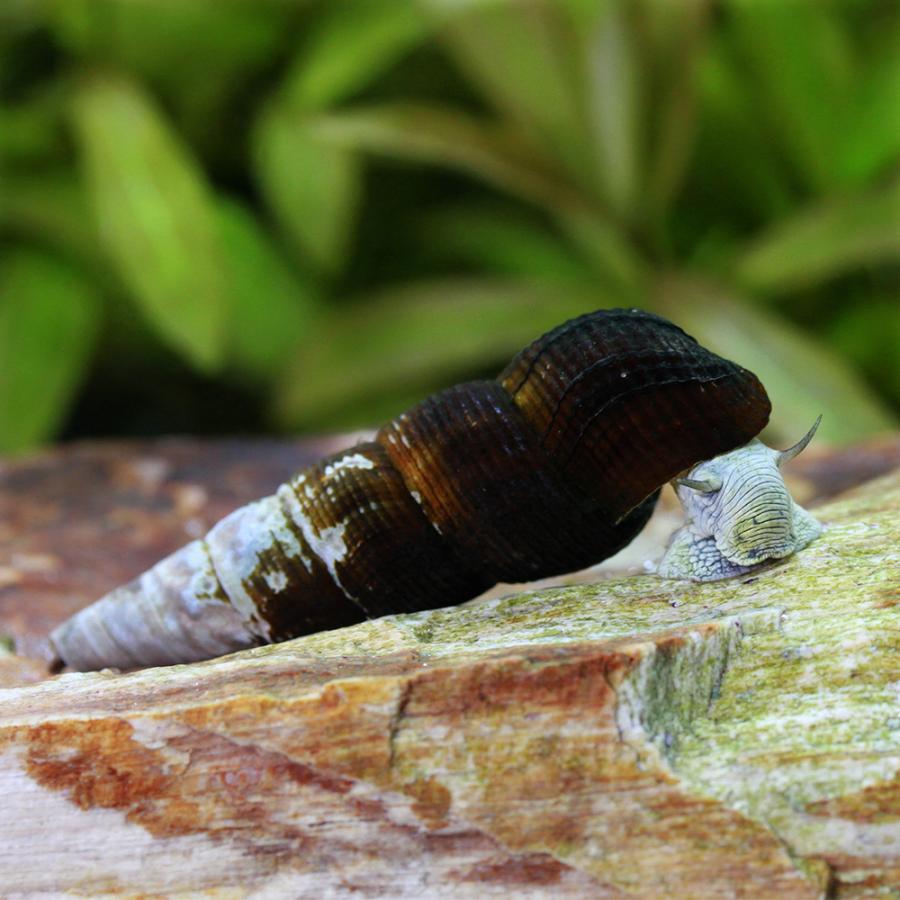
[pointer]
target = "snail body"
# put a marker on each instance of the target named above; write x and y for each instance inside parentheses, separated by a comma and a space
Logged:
(552, 467)
(739, 514)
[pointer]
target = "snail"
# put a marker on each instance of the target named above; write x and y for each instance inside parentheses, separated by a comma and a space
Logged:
(550, 468)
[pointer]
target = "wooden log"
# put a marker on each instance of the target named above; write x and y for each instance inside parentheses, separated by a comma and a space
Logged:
(634, 737)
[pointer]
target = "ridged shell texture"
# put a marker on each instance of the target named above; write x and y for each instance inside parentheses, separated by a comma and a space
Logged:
(550, 468)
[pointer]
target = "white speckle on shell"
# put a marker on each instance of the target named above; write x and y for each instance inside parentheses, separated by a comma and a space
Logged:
(352, 461)
(239, 542)
(277, 581)
(328, 544)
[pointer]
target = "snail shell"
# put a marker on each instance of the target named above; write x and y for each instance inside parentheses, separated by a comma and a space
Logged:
(550, 468)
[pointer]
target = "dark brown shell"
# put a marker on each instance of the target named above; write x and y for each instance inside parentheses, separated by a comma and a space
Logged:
(554, 466)
(623, 400)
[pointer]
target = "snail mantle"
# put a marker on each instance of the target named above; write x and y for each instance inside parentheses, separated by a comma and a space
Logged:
(636, 737)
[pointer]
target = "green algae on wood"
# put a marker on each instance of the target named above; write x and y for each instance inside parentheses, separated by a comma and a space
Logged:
(803, 709)
(648, 736)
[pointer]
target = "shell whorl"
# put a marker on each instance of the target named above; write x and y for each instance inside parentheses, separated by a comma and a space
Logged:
(623, 400)
(550, 468)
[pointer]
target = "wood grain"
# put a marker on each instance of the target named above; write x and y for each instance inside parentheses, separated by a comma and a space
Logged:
(629, 738)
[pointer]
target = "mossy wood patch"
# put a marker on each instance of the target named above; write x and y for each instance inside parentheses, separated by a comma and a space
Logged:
(635, 737)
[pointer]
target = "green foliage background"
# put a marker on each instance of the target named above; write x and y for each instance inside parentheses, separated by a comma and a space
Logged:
(232, 215)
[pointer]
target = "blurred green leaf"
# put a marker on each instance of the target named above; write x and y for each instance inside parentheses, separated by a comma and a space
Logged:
(523, 56)
(194, 50)
(155, 216)
(797, 55)
(50, 207)
(614, 89)
(312, 185)
(20, 16)
(48, 319)
(825, 241)
(615, 263)
(152, 36)
(445, 136)
(504, 241)
(31, 131)
(869, 143)
(411, 340)
(347, 46)
(802, 377)
(271, 306)
(734, 161)
(492, 152)
(868, 332)
(673, 36)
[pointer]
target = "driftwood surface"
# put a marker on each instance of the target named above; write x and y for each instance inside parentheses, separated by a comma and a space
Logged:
(631, 737)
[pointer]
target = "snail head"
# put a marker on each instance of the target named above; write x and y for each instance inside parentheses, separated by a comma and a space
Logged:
(740, 499)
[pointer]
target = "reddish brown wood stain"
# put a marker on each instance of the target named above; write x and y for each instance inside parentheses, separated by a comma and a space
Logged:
(528, 869)
(865, 877)
(431, 801)
(98, 764)
(236, 786)
(878, 803)
(364, 758)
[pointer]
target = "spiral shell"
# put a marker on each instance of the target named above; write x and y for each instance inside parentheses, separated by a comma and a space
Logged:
(552, 467)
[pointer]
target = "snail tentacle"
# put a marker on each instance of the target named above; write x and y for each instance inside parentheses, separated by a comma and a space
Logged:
(787, 455)
(705, 485)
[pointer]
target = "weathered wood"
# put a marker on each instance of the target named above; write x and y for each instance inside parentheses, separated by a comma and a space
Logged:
(630, 738)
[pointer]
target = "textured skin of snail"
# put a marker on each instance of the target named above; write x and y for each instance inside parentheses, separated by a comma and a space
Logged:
(550, 468)
(748, 519)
